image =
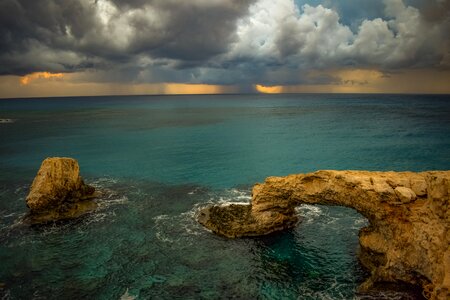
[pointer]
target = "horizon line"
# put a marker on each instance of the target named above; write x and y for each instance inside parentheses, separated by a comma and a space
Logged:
(225, 94)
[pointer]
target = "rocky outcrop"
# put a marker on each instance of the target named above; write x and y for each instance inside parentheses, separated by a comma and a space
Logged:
(408, 237)
(237, 220)
(58, 192)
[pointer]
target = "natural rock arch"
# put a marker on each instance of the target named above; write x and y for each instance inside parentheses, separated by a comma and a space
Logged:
(408, 236)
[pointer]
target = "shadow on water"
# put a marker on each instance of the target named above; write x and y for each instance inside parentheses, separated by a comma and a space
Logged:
(144, 242)
(315, 260)
(318, 259)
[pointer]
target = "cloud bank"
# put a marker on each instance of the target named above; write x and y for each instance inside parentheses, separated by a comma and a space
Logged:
(225, 42)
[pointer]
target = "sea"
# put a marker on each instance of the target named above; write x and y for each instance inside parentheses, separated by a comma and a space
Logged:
(159, 159)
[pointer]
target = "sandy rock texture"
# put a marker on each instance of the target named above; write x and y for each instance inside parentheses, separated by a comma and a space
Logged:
(408, 237)
(58, 192)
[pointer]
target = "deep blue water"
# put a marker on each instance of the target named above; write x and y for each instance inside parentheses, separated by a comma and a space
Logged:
(160, 158)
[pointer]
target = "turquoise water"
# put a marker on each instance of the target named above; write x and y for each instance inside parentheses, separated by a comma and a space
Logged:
(159, 158)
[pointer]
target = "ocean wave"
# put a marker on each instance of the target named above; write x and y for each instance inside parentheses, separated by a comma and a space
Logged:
(184, 226)
(127, 296)
(103, 181)
(104, 203)
(186, 223)
(332, 292)
(195, 191)
(327, 216)
(162, 224)
(23, 189)
(241, 194)
(7, 121)
(9, 215)
(226, 202)
(360, 222)
(309, 213)
(14, 222)
(108, 195)
(231, 196)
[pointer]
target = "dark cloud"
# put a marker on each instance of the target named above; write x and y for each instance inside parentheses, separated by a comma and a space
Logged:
(34, 35)
(221, 41)
(103, 32)
(194, 31)
(434, 10)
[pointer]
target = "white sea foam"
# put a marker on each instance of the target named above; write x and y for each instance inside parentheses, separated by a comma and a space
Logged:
(18, 221)
(309, 212)
(102, 181)
(232, 196)
(162, 224)
(360, 222)
(9, 215)
(331, 292)
(127, 296)
(104, 203)
(194, 191)
(184, 225)
(161, 217)
(6, 121)
(226, 202)
(241, 194)
(108, 197)
(23, 189)
(97, 217)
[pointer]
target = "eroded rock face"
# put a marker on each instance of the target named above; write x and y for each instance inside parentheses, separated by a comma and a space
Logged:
(408, 238)
(237, 220)
(58, 191)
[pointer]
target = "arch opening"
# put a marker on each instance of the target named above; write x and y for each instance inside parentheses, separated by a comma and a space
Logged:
(405, 242)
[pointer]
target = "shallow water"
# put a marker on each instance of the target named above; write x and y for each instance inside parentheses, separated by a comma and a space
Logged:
(158, 159)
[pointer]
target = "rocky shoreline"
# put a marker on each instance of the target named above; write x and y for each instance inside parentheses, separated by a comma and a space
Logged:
(407, 239)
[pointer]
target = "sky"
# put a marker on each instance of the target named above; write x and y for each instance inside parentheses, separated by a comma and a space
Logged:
(119, 47)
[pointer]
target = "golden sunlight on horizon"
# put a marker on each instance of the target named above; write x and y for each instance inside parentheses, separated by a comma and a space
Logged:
(47, 84)
(276, 89)
(24, 80)
(370, 81)
(186, 88)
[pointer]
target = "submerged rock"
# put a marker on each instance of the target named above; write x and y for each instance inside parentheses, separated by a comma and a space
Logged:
(407, 240)
(58, 192)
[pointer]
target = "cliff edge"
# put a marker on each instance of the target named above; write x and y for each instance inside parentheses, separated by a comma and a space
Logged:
(408, 237)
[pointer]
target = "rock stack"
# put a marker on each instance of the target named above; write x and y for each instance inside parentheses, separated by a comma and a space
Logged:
(58, 192)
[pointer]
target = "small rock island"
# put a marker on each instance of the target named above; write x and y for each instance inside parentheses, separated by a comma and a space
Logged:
(408, 237)
(58, 192)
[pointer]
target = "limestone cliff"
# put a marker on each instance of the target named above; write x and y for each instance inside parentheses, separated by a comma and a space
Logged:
(58, 191)
(407, 240)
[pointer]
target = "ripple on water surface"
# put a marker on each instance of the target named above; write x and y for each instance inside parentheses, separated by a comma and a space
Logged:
(144, 242)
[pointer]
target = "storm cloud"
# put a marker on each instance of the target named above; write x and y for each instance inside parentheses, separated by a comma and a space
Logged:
(220, 41)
